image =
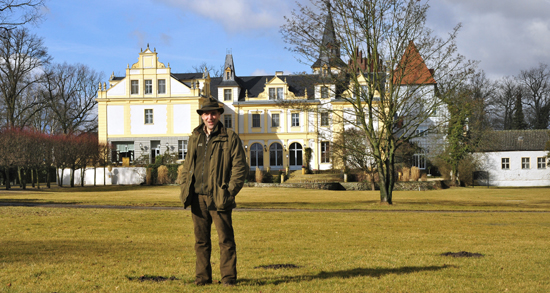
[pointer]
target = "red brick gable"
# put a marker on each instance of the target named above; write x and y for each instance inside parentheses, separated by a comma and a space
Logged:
(412, 70)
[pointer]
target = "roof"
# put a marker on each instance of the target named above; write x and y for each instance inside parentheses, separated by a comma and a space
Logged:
(412, 70)
(516, 140)
(256, 85)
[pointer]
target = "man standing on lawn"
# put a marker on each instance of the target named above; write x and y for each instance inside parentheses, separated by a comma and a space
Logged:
(213, 173)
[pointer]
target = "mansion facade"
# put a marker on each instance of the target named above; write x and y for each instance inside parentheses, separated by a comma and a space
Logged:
(152, 110)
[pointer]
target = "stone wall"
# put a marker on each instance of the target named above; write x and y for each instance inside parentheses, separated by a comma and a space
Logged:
(411, 185)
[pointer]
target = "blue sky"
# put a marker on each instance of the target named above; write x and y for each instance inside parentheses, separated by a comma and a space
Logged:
(505, 35)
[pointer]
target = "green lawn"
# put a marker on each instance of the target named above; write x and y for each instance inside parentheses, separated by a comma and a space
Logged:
(107, 250)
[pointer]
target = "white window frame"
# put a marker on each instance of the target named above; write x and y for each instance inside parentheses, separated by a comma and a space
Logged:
(161, 86)
(505, 163)
(525, 163)
(272, 93)
(148, 86)
(280, 93)
(148, 116)
(227, 93)
(295, 119)
(256, 120)
(325, 152)
(275, 122)
(325, 119)
(228, 120)
(541, 163)
(324, 92)
(134, 87)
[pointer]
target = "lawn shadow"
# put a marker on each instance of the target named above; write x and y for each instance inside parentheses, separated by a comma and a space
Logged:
(343, 274)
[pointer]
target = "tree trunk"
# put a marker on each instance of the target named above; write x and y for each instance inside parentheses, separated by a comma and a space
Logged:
(37, 178)
(48, 177)
(60, 176)
(32, 178)
(95, 175)
(104, 175)
(7, 178)
(72, 177)
(82, 171)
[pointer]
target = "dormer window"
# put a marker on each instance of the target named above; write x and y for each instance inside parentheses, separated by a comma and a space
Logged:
(228, 75)
(324, 92)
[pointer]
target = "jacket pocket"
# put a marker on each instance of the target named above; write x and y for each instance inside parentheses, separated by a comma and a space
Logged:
(223, 199)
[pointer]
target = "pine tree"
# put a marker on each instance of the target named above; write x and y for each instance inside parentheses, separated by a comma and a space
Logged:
(518, 120)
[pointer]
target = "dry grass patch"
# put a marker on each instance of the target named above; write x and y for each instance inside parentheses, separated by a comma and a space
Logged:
(83, 250)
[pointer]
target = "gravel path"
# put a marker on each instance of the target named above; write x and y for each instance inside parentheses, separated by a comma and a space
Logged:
(77, 206)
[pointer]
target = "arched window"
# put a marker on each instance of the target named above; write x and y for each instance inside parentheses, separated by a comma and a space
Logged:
(256, 155)
(295, 154)
(275, 155)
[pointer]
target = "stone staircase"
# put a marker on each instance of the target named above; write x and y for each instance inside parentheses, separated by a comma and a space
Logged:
(297, 177)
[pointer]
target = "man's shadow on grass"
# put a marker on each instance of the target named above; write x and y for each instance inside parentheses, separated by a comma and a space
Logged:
(343, 274)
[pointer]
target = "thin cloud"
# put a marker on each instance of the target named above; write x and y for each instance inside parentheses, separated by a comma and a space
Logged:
(238, 15)
(166, 39)
(140, 37)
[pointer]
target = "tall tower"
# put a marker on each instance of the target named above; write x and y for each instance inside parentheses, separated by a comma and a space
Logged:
(329, 51)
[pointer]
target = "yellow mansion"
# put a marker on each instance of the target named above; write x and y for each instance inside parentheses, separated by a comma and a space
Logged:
(152, 110)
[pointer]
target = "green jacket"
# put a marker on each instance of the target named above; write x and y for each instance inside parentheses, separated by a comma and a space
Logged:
(227, 172)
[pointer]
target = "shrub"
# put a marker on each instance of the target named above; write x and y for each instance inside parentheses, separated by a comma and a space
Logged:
(415, 173)
(162, 175)
(259, 175)
(148, 177)
(466, 169)
(268, 178)
(406, 174)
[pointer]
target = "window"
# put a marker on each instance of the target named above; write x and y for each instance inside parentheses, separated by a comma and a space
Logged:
(272, 94)
(419, 160)
(256, 120)
(135, 87)
(324, 119)
(295, 119)
(161, 85)
(279, 93)
(325, 152)
(148, 116)
(505, 163)
(274, 120)
(228, 75)
(148, 86)
(123, 150)
(541, 163)
(228, 121)
(276, 155)
(227, 94)
(324, 92)
(182, 149)
(256, 155)
(525, 163)
(295, 154)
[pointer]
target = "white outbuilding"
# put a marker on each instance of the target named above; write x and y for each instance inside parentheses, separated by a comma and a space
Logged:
(515, 158)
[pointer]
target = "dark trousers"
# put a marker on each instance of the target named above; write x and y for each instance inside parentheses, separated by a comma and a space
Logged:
(202, 221)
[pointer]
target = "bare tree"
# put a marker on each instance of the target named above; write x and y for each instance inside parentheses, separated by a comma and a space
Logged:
(14, 13)
(70, 91)
(385, 88)
(22, 55)
(501, 105)
(214, 71)
(536, 95)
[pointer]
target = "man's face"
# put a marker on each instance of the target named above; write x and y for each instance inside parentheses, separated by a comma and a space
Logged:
(210, 119)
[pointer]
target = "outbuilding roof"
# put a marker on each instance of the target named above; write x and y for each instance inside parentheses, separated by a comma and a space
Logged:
(516, 140)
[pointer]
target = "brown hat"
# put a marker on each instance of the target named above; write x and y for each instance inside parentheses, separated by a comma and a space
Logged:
(210, 105)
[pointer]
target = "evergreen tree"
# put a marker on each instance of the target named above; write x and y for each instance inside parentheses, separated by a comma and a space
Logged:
(518, 121)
